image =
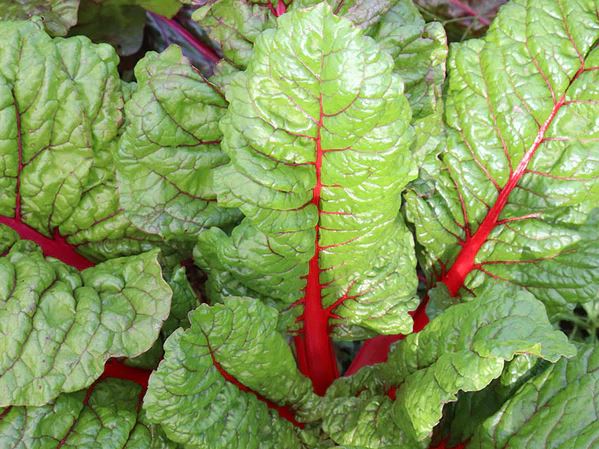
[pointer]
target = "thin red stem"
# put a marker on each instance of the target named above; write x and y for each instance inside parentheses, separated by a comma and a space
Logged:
(471, 12)
(199, 46)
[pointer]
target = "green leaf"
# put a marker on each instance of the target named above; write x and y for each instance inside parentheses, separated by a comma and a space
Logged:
(195, 393)
(106, 417)
(556, 409)
(317, 132)
(170, 148)
(511, 195)
(58, 326)
(234, 25)
(463, 349)
(61, 103)
(419, 51)
(57, 15)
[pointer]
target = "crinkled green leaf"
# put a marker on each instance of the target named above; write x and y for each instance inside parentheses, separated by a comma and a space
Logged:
(58, 326)
(8, 237)
(556, 409)
(197, 406)
(61, 106)
(318, 110)
(57, 15)
(170, 148)
(234, 25)
(462, 418)
(463, 349)
(419, 51)
(510, 197)
(108, 419)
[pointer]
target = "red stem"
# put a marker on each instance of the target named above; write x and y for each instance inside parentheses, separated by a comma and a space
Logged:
(316, 356)
(56, 247)
(471, 12)
(376, 350)
(199, 46)
(465, 261)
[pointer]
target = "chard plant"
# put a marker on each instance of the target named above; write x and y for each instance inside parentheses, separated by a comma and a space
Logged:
(334, 230)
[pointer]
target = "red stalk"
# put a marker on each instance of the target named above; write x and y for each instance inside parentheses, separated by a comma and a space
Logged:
(465, 262)
(376, 350)
(471, 12)
(316, 356)
(199, 46)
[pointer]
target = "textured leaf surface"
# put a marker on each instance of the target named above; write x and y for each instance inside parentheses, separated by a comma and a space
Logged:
(59, 326)
(317, 133)
(170, 148)
(58, 15)
(204, 391)
(557, 409)
(234, 25)
(61, 107)
(463, 349)
(106, 417)
(510, 197)
(419, 51)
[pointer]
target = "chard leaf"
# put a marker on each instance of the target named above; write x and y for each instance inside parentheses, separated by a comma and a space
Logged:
(209, 390)
(105, 417)
(61, 106)
(463, 349)
(510, 197)
(234, 25)
(170, 148)
(556, 409)
(57, 15)
(317, 132)
(419, 51)
(58, 326)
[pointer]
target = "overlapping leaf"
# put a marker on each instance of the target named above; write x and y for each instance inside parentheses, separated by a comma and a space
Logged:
(557, 409)
(317, 132)
(61, 106)
(170, 148)
(511, 196)
(199, 394)
(57, 15)
(106, 417)
(59, 326)
(464, 349)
